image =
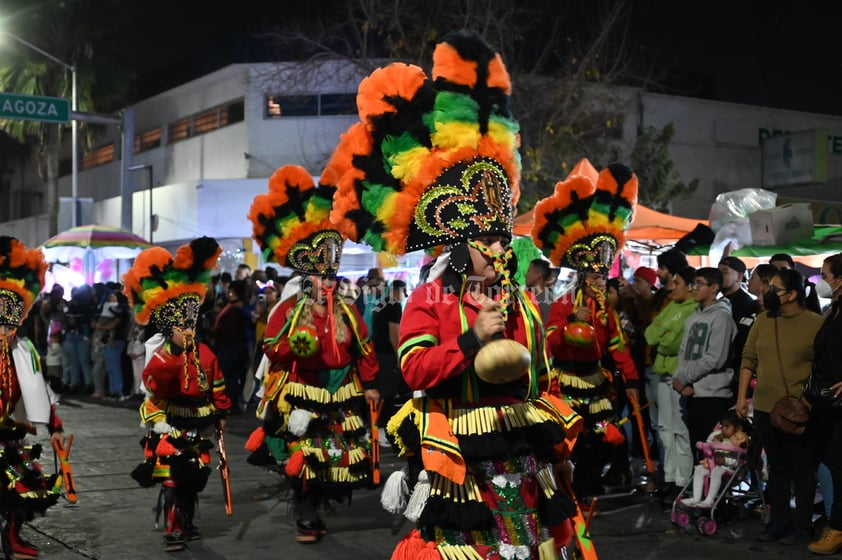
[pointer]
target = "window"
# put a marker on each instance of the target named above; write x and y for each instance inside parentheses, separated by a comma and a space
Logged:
(207, 121)
(338, 104)
(180, 130)
(147, 140)
(98, 157)
(292, 106)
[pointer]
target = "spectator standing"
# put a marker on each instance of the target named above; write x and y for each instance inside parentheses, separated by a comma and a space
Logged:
(665, 334)
(386, 321)
(136, 351)
(55, 354)
(229, 336)
(827, 358)
(538, 276)
(744, 308)
(669, 263)
(79, 313)
(758, 284)
(783, 261)
(779, 350)
(371, 295)
(704, 371)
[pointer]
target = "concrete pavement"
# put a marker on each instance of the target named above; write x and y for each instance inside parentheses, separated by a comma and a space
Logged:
(114, 516)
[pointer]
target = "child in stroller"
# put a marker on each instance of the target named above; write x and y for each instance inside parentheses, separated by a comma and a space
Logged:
(730, 472)
(724, 451)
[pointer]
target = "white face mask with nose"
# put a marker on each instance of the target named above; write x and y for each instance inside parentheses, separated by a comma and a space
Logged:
(823, 289)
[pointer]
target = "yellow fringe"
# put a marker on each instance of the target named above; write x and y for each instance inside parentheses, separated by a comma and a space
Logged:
(320, 395)
(599, 406)
(458, 552)
(453, 492)
(591, 381)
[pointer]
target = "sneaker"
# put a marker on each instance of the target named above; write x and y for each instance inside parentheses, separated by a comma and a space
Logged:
(173, 541)
(689, 502)
(829, 542)
(308, 532)
(796, 536)
(773, 532)
(705, 504)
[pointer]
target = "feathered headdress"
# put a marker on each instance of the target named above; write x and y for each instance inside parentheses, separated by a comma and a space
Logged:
(22, 273)
(432, 160)
(291, 223)
(170, 290)
(583, 224)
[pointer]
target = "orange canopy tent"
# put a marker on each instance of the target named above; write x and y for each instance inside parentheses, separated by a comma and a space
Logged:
(647, 225)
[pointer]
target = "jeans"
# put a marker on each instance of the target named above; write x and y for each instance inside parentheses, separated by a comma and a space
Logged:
(113, 352)
(77, 352)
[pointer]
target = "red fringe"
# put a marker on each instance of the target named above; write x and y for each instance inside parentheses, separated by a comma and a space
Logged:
(410, 547)
(165, 448)
(255, 440)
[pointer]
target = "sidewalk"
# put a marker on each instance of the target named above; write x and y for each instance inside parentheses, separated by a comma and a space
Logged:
(114, 516)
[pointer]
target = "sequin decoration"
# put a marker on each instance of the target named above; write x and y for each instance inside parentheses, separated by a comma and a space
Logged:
(181, 312)
(594, 253)
(469, 199)
(318, 254)
(11, 309)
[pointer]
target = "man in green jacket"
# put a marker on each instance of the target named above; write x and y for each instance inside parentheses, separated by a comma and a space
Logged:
(665, 334)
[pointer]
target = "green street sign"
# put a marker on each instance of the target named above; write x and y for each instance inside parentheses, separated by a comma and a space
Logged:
(34, 108)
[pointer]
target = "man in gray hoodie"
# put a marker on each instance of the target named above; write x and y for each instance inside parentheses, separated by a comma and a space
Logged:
(705, 369)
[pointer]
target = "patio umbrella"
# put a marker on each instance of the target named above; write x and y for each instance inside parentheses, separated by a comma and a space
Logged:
(93, 244)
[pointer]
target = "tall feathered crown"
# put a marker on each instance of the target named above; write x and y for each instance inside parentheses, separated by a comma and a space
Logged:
(432, 160)
(291, 223)
(22, 273)
(168, 291)
(583, 224)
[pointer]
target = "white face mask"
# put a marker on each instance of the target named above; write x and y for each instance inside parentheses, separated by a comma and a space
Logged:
(823, 289)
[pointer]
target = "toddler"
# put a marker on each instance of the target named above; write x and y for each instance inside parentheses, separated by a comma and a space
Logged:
(54, 357)
(720, 461)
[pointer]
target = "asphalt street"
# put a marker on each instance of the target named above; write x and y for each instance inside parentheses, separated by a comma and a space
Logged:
(114, 518)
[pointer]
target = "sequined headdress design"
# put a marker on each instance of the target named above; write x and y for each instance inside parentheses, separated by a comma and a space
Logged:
(168, 291)
(433, 160)
(291, 223)
(583, 224)
(22, 273)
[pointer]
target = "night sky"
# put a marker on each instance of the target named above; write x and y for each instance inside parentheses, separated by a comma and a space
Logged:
(783, 56)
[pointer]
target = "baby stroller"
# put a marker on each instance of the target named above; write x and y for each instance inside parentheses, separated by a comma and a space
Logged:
(741, 491)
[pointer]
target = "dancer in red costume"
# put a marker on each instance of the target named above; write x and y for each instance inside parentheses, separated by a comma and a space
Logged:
(26, 400)
(434, 163)
(185, 389)
(322, 364)
(582, 226)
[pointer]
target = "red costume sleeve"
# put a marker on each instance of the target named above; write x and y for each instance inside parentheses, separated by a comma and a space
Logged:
(430, 351)
(217, 381)
(278, 351)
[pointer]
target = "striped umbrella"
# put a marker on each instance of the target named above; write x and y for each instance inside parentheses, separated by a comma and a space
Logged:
(105, 242)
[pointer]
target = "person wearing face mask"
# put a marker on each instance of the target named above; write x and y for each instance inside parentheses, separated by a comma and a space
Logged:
(436, 158)
(827, 362)
(322, 365)
(185, 389)
(779, 350)
(27, 403)
(758, 283)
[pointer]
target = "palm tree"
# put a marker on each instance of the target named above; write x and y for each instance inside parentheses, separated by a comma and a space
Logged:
(84, 33)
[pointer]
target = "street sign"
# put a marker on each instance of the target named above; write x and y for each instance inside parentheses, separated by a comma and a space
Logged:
(34, 108)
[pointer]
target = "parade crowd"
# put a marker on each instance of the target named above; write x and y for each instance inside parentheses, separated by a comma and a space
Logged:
(511, 404)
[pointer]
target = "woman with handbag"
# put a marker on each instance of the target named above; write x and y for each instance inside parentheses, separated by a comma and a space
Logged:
(824, 390)
(779, 352)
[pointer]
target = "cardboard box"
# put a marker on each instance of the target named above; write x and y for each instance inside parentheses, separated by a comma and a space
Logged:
(781, 225)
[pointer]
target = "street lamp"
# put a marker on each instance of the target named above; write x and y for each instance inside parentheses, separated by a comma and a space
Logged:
(148, 168)
(73, 123)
